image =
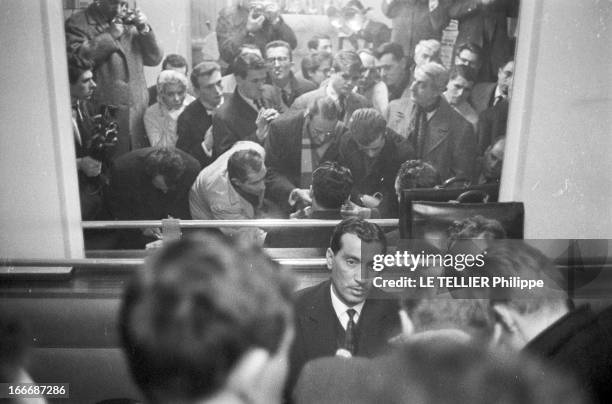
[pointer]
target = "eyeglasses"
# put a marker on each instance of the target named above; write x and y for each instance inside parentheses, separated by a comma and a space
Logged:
(279, 59)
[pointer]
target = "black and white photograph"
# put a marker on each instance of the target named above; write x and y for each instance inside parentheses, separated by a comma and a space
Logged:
(306, 201)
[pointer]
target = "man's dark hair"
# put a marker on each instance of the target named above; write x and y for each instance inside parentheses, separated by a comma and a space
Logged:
(245, 62)
(166, 162)
(311, 62)
(331, 185)
(472, 47)
(278, 44)
(194, 309)
(173, 60)
(393, 48)
(367, 125)
(418, 174)
(475, 226)
(242, 162)
(313, 43)
(77, 66)
(515, 258)
(439, 370)
(366, 231)
(205, 68)
(466, 72)
(324, 106)
(346, 61)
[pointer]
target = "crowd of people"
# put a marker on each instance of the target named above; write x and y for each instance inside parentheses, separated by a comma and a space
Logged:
(386, 101)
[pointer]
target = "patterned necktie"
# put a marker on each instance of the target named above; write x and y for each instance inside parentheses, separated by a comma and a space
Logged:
(286, 96)
(349, 336)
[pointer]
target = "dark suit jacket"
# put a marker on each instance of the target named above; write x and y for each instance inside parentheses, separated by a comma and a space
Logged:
(412, 22)
(580, 343)
(284, 155)
(482, 96)
(492, 124)
(353, 101)
(235, 120)
(132, 196)
(316, 324)
(308, 237)
(450, 144)
(191, 127)
(298, 87)
(381, 177)
(487, 27)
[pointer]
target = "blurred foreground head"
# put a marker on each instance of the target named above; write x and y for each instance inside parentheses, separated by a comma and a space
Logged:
(206, 321)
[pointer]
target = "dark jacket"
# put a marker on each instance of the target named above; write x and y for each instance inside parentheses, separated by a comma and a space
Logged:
(132, 196)
(353, 101)
(192, 125)
(381, 177)
(232, 33)
(235, 120)
(304, 237)
(284, 155)
(580, 343)
(298, 86)
(118, 70)
(316, 326)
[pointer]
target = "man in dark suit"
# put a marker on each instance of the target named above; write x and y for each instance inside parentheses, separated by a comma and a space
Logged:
(247, 113)
(331, 188)
(484, 22)
(346, 71)
(340, 316)
(374, 154)
(438, 134)
(485, 95)
(194, 125)
(280, 61)
(150, 184)
(542, 323)
(298, 142)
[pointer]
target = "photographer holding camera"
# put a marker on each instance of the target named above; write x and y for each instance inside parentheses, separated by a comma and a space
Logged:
(255, 22)
(120, 42)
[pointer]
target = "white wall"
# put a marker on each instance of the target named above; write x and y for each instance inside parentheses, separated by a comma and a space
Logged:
(559, 149)
(171, 22)
(39, 208)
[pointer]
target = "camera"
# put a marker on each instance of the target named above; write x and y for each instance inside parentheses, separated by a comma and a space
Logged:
(129, 17)
(104, 133)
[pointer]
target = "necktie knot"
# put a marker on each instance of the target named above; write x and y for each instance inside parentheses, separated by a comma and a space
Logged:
(351, 313)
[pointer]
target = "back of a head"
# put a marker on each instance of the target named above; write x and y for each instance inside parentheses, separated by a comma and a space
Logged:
(245, 62)
(393, 48)
(195, 308)
(417, 174)
(173, 61)
(331, 185)
(447, 372)
(166, 162)
(324, 107)
(515, 258)
(367, 125)
(242, 162)
(77, 66)
(346, 61)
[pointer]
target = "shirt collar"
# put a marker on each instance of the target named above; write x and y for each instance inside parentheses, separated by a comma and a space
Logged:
(340, 308)
(247, 100)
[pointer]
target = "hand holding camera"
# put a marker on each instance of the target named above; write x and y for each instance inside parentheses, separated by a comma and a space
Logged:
(255, 19)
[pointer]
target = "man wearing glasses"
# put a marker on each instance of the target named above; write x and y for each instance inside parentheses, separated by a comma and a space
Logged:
(280, 61)
(346, 72)
(297, 143)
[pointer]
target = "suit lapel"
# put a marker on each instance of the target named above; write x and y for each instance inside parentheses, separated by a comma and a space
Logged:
(320, 324)
(438, 129)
